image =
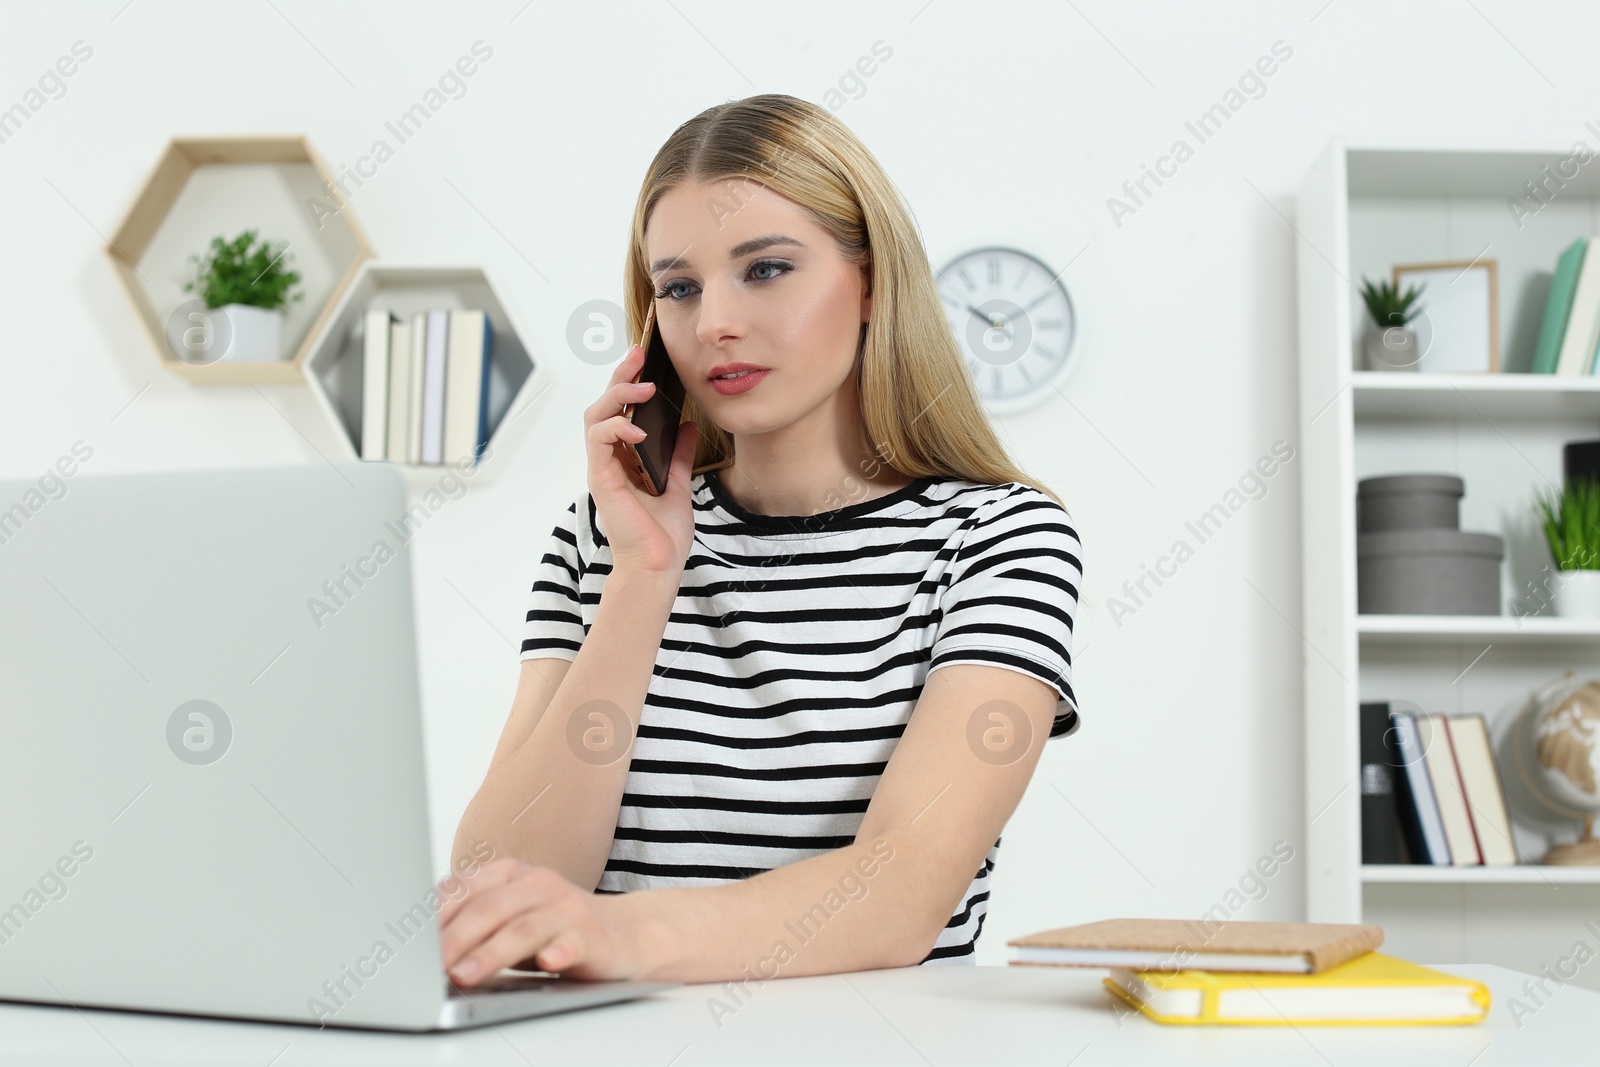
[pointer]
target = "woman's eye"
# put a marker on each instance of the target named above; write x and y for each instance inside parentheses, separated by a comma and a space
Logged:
(772, 263)
(667, 292)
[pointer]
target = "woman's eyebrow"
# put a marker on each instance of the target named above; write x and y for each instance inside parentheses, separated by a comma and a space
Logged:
(744, 248)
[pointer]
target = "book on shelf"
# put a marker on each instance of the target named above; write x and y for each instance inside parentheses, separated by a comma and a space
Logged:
(1485, 793)
(425, 382)
(1569, 331)
(1431, 792)
(466, 415)
(1382, 840)
(418, 364)
(1419, 811)
(399, 388)
(1446, 780)
(433, 387)
(377, 325)
(1558, 307)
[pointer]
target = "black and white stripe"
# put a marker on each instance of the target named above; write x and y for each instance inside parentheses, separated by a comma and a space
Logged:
(794, 655)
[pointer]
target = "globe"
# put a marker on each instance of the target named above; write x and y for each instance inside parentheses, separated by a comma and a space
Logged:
(1556, 745)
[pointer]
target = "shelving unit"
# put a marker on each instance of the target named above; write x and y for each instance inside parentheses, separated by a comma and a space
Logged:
(205, 187)
(1395, 394)
(1395, 630)
(1360, 211)
(333, 369)
(1521, 874)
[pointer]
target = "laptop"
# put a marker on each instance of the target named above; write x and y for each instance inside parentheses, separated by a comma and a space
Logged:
(211, 774)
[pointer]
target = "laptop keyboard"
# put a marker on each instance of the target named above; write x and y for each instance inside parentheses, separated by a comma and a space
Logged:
(510, 983)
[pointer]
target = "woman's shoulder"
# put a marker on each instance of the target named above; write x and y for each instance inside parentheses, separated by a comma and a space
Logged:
(995, 501)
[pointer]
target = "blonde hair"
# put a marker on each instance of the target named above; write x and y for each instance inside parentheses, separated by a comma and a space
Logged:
(918, 404)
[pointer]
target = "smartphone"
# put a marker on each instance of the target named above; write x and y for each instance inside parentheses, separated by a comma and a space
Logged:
(660, 415)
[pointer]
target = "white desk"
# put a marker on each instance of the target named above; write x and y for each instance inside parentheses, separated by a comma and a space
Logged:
(911, 1015)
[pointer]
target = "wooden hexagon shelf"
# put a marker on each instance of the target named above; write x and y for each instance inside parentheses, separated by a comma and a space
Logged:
(205, 187)
(334, 366)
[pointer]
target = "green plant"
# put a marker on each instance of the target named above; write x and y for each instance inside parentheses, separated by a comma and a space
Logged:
(234, 272)
(1572, 525)
(1389, 307)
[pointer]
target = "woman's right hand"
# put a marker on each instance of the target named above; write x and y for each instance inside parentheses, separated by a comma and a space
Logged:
(646, 533)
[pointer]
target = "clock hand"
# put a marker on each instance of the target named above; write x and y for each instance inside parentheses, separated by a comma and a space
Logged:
(993, 325)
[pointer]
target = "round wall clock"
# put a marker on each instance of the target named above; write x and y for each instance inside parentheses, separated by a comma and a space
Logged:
(1014, 322)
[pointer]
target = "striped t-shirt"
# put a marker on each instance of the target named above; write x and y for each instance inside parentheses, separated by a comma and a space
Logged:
(794, 655)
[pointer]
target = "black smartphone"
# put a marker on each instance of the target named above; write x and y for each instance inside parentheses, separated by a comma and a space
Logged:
(660, 415)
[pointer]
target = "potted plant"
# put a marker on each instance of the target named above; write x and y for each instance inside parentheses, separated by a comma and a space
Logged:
(1572, 528)
(1390, 343)
(251, 285)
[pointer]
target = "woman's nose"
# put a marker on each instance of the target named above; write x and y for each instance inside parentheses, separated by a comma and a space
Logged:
(720, 316)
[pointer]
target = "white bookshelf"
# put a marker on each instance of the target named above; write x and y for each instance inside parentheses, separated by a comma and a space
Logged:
(1393, 394)
(1415, 630)
(333, 370)
(1360, 210)
(1522, 874)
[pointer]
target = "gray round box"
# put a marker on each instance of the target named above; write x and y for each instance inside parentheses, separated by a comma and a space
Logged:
(1409, 502)
(1428, 572)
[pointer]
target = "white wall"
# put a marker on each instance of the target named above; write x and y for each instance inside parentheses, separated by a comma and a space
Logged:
(1007, 123)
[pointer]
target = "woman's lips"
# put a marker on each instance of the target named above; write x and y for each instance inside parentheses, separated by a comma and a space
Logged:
(742, 384)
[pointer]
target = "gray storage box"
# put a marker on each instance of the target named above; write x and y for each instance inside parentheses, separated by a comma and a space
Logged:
(1409, 502)
(1428, 572)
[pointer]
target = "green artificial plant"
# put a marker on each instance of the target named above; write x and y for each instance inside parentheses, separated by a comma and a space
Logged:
(1389, 307)
(1572, 524)
(234, 272)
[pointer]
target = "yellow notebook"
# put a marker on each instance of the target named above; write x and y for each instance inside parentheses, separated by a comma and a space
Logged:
(1371, 990)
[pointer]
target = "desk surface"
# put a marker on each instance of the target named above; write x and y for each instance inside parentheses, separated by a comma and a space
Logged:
(909, 1015)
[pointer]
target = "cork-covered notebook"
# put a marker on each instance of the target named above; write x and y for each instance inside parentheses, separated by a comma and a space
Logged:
(1198, 944)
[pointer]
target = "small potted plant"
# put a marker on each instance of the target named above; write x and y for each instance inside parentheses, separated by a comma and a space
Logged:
(1391, 344)
(251, 285)
(1572, 528)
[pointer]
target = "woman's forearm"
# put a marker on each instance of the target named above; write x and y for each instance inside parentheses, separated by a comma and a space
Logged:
(869, 904)
(554, 799)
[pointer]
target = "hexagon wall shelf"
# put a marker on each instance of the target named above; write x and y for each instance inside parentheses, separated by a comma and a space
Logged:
(333, 367)
(204, 187)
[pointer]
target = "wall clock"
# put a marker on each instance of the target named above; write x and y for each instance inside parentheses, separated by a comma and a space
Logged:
(1014, 322)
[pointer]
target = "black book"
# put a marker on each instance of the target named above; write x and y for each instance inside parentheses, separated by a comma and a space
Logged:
(1382, 832)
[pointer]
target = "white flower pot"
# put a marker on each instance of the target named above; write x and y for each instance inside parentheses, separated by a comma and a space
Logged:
(1577, 594)
(256, 334)
(1394, 348)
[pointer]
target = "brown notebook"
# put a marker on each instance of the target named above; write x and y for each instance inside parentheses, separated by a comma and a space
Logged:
(1198, 944)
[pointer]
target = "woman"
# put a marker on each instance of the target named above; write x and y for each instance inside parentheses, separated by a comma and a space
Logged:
(735, 750)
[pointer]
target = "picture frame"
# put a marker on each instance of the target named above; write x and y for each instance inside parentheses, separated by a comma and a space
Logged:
(1458, 321)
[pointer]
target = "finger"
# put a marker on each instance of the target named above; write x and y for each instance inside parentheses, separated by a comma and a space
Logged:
(630, 393)
(618, 429)
(484, 912)
(628, 366)
(494, 873)
(522, 935)
(567, 949)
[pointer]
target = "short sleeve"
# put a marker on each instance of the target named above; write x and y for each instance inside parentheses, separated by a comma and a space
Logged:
(1013, 595)
(554, 623)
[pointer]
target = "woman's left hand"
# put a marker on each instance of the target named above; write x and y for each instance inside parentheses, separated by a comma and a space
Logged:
(513, 911)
